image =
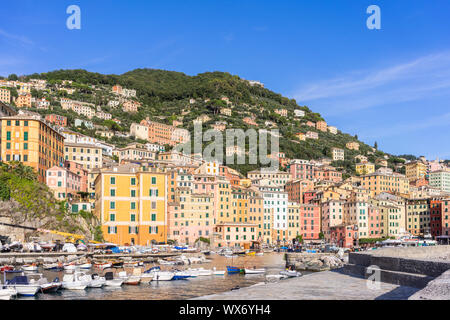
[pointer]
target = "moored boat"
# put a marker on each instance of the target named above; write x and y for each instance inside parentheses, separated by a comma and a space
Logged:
(111, 281)
(30, 267)
(254, 271)
(46, 286)
(290, 273)
(75, 281)
(7, 294)
(233, 270)
(22, 286)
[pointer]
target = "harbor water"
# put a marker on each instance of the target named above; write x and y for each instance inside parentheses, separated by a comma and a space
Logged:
(178, 289)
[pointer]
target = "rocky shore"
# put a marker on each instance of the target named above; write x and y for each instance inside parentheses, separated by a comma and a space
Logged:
(313, 261)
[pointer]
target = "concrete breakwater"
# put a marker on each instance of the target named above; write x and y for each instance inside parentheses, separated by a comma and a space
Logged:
(415, 267)
(15, 258)
(302, 261)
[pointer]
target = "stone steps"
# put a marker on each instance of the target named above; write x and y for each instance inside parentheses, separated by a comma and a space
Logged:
(414, 280)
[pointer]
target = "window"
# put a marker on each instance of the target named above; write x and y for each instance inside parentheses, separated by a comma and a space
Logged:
(25, 123)
(8, 145)
(25, 158)
(112, 205)
(25, 136)
(133, 193)
(153, 180)
(133, 217)
(112, 192)
(112, 217)
(133, 205)
(133, 181)
(25, 146)
(8, 135)
(153, 216)
(113, 180)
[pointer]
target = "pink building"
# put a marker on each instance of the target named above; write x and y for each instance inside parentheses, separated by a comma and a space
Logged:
(301, 169)
(79, 170)
(64, 183)
(310, 221)
(374, 222)
(332, 216)
(296, 189)
(344, 236)
(190, 216)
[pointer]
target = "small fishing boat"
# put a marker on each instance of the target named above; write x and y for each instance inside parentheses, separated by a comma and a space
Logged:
(84, 266)
(46, 286)
(6, 268)
(165, 262)
(218, 272)
(7, 294)
(290, 273)
(53, 267)
(70, 266)
(102, 265)
(251, 253)
(75, 281)
(181, 275)
(95, 281)
(129, 279)
(111, 281)
(23, 286)
(233, 270)
(162, 275)
(254, 271)
(30, 267)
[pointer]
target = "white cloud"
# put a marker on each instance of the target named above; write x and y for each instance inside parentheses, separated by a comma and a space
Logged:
(14, 37)
(424, 77)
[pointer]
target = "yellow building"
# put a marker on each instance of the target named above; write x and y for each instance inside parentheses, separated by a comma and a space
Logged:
(24, 101)
(235, 235)
(132, 205)
(365, 168)
(294, 220)
(30, 140)
(352, 145)
(89, 155)
(415, 170)
(379, 182)
(5, 95)
(418, 218)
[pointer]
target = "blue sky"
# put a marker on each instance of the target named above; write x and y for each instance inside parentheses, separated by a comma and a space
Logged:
(390, 85)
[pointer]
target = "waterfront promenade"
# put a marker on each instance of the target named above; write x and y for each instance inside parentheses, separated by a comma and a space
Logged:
(327, 285)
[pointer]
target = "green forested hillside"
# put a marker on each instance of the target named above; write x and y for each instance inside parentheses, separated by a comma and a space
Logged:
(165, 96)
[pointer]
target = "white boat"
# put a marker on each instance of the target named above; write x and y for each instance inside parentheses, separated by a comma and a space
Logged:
(290, 273)
(102, 266)
(30, 267)
(129, 279)
(70, 267)
(201, 272)
(164, 262)
(95, 281)
(46, 286)
(84, 266)
(22, 286)
(6, 294)
(75, 281)
(162, 275)
(259, 254)
(111, 281)
(254, 271)
(218, 272)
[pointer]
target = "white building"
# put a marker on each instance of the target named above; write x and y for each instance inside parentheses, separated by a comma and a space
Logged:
(440, 180)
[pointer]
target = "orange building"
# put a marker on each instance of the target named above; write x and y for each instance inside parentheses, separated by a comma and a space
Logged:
(30, 140)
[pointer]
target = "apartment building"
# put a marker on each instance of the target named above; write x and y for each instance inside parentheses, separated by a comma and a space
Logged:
(418, 216)
(415, 170)
(28, 139)
(440, 180)
(132, 205)
(234, 234)
(24, 100)
(296, 189)
(89, 155)
(365, 168)
(352, 145)
(5, 95)
(56, 119)
(321, 126)
(337, 154)
(134, 151)
(379, 182)
(64, 183)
